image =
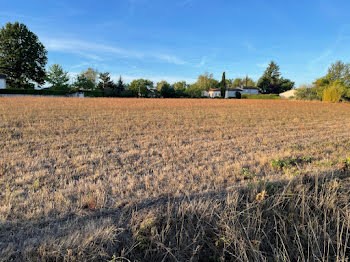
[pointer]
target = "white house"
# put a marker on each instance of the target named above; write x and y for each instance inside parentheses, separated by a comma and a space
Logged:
(232, 92)
(3, 81)
(214, 92)
(77, 94)
(250, 90)
(288, 94)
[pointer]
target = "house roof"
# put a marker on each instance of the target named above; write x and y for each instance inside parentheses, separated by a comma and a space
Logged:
(3, 76)
(214, 89)
(250, 87)
(288, 93)
(234, 89)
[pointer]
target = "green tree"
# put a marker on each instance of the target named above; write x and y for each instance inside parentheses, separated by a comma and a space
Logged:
(141, 87)
(120, 87)
(194, 91)
(338, 74)
(306, 92)
(105, 80)
(339, 71)
(223, 84)
(229, 82)
(107, 85)
(165, 89)
(82, 83)
(57, 77)
(237, 82)
(180, 88)
(22, 56)
(247, 81)
(206, 82)
(320, 85)
(91, 75)
(272, 83)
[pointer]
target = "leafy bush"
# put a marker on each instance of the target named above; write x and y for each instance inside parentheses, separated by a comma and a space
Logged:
(94, 93)
(289, 162)
(193, 91)
(333, 93)
(246, 174)
(306, 93)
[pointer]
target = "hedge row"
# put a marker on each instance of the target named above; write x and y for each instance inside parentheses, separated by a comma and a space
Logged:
(94, 93)
(261, 96)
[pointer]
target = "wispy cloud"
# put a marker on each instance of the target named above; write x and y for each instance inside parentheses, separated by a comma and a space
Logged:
(263, 65)
(185, 3)
(248, 45)
(323, 59)
(324, 55)
(202, 62)
(81, 65)
(96, 51)
(18, 16)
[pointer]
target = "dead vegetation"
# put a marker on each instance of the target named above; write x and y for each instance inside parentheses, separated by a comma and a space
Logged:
(173, 180)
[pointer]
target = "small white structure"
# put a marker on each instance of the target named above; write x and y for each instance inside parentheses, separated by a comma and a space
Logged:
(250, 90)
(214, 92)
(232, 92)
(3, 81)
(77, 94)
(288, 94)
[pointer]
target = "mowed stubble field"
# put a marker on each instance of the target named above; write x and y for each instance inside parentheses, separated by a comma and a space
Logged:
(83, 179)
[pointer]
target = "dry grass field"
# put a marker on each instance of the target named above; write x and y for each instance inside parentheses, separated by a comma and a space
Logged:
(173, 180)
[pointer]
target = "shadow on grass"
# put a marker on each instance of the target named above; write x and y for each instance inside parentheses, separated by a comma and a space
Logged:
(57, 238)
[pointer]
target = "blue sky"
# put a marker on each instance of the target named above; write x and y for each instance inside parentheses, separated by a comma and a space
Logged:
(180, 39)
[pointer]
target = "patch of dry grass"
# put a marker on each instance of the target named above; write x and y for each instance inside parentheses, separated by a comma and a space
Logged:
(173, 180)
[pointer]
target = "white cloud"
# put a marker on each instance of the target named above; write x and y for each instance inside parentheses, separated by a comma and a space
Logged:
(96, 51)
(83, 64)
(202, 62)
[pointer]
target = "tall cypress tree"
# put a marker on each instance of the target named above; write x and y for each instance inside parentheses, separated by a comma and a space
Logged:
(223, 84)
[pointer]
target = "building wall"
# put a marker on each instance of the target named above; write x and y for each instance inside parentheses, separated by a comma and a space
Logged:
(250, 91)
(2, 83)
(214, 94)
(229, 94)
(77, 94)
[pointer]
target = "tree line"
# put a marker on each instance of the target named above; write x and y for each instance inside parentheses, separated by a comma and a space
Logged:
(23, 58)
(333, 87)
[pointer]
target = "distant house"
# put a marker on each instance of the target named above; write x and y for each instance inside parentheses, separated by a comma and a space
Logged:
(77, 94)
(3, 81)
(250, 90)
(288, 94)
(232, 92)
(212, 93)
